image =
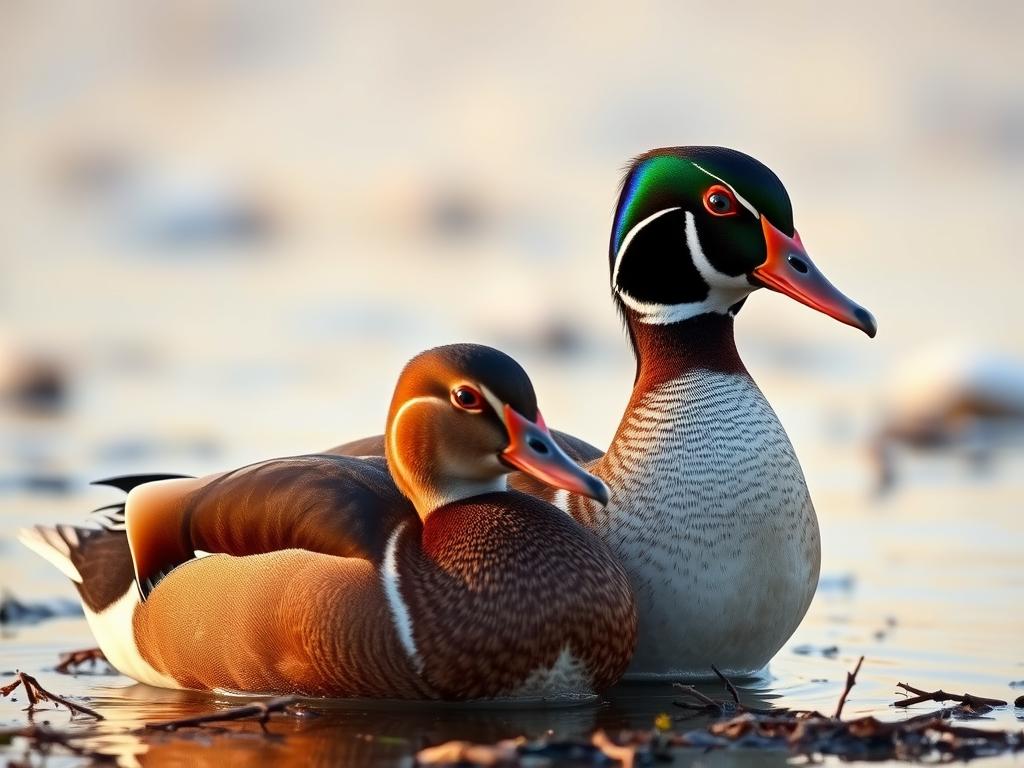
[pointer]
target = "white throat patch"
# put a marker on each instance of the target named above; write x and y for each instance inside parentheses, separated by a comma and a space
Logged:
(723, 290)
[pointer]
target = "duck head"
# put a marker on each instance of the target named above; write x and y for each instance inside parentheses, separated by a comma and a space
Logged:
(462, 417)
(697, 229)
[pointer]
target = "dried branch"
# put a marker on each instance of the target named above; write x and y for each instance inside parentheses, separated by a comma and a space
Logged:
(36, 694)
(259, 709)
(811, 734)
(920, 696)
(706, 701)
(710, 706)
(72, 659)
(728, 685)
(851, 680)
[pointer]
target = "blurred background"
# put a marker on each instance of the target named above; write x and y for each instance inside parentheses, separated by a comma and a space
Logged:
(224, 227)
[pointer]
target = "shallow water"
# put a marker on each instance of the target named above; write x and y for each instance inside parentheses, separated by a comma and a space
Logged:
(925, 584)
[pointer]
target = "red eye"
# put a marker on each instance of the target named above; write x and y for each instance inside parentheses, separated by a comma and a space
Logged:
(720, 201)
(467, 398)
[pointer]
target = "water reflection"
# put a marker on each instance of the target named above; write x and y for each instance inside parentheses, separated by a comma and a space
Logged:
(356, 733)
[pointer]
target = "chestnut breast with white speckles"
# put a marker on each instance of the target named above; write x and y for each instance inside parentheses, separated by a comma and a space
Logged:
(712, 520)
(508, 597)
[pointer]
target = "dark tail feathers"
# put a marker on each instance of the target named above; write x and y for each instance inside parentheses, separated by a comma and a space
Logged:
(127, 482)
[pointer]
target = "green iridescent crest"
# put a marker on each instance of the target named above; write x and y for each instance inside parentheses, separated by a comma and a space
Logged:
(677, 177)
(670, 176)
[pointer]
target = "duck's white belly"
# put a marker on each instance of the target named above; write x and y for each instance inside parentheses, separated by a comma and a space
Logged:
(114, 633)
(566, 679)
(711, 517)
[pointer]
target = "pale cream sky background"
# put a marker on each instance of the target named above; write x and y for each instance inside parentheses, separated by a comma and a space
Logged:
(898, 129)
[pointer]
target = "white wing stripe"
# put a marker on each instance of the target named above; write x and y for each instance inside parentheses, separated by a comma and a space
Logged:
(399, 610)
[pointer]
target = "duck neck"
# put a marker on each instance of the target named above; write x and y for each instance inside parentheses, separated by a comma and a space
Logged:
(429, 496)
(667, 352)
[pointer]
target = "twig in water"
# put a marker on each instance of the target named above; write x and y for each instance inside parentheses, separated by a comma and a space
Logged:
(707, 704)
(931, 737)
(940, 696)
(37, 694)
(851, 679)
(72, 659)
(728, 685)
(261, 709)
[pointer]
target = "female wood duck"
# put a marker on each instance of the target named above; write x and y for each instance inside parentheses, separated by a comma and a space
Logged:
(330, 583)
(709, 512)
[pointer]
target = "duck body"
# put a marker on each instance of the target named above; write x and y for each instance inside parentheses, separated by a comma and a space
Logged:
(454, 608)
(709, 511)
(478, 567)
(317, 575)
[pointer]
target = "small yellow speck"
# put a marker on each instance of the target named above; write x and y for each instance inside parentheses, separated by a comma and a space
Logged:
(663, 722)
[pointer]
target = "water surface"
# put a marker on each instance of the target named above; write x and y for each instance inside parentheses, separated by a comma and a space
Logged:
(925, 584)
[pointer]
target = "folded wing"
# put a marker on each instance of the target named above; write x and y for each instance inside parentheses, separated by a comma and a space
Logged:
(333, 505)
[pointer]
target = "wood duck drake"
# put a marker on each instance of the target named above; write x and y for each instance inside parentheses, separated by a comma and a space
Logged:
(710, 513)
(328, 582)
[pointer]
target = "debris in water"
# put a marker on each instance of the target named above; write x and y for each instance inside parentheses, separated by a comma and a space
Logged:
(259, 709)
(37, 694)
(71, 662)
(808, 734)
(601, 750)
(707, 705)
(975, 702)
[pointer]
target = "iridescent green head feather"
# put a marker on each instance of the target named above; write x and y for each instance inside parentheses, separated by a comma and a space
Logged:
(698, 228)
(678, 176)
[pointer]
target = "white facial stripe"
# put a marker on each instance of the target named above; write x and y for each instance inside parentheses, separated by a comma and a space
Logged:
(395, 454)
(723, 290)
(629, 238)
(494, 402)
(399, 610)
(712, 276)
(666, 314)
(742, 200)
